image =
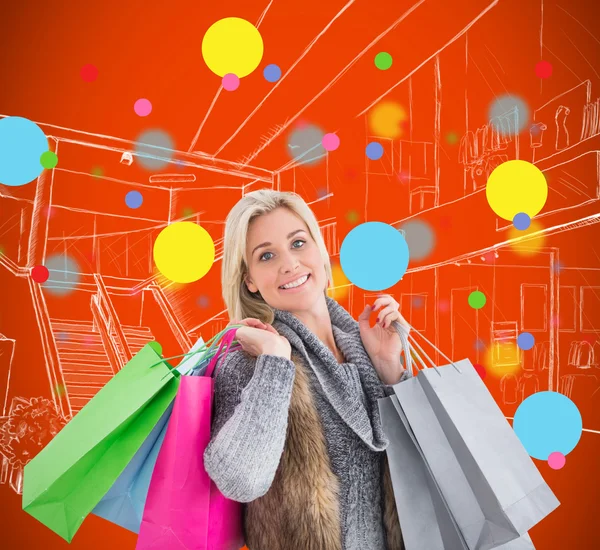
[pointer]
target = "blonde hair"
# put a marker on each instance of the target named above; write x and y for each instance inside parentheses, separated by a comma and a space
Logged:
(240, 302)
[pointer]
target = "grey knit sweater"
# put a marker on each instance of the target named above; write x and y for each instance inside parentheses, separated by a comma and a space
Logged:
(252, 397)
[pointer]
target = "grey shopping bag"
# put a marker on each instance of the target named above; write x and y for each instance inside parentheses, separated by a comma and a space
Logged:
(425, 517)
(493, 489)
(424, 522)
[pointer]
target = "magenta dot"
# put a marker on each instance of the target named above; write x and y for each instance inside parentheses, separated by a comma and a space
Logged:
(231, 82)
(480, 370)
(89, 72)
(556, 460)
(543, 69)
(331, 142)
(142, 107)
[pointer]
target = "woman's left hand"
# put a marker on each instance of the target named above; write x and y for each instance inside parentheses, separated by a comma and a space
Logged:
(381, 340)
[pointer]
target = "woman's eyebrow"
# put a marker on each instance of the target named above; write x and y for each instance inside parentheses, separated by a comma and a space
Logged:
(262, 245)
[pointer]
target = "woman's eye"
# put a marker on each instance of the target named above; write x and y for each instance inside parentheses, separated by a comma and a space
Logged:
(262, 258)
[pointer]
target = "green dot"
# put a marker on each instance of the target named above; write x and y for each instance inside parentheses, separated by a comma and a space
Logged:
(352, 216)
(383, 61)
(452, 138)
(48, 160)
(477, 299)
(187, 212)
(97, 171)
(156, 347)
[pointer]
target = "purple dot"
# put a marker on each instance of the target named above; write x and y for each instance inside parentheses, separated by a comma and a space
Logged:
(525, 340)
(272, 73)
(521, 221)
(134, 199)
(330, 142)
(374, 150)
(231, 82)
(142, 107)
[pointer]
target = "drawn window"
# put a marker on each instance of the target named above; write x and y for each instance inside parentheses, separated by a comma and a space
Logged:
(414, 309)
(534, 308)
(589, 309)
(567, 309)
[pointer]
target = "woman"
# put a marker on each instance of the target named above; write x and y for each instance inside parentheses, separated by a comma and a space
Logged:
(296, 432)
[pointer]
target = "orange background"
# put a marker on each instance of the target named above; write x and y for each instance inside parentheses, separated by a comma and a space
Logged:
(452, 60)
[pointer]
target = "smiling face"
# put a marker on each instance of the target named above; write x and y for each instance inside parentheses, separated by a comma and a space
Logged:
(280, 250)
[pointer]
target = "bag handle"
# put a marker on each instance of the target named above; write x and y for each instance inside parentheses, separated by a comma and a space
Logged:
(406, 338)
(227, 339)
(202, 349)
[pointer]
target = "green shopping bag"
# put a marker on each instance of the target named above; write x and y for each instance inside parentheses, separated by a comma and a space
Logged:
(68, 478)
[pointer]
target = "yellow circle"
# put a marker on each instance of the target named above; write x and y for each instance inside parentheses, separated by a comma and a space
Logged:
(232, 45)
(184, 252)
(385, 119)
(516, 186)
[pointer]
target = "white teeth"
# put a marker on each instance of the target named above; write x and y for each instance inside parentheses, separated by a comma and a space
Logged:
(296, 283)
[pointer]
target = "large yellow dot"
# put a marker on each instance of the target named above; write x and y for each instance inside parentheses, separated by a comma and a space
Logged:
(184, 252)
(516, 186)
(385, 119)
(232, 45)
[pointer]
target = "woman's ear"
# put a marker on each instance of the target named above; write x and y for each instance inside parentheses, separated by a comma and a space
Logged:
(251, 286)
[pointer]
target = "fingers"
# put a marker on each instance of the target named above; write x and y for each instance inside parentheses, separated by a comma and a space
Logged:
(366, 313)
(387, 315)
(384, 300)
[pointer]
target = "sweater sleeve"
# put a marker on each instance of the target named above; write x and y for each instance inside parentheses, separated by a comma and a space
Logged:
(251, 402)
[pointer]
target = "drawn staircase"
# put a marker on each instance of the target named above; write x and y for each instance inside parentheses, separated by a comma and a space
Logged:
(85, 364)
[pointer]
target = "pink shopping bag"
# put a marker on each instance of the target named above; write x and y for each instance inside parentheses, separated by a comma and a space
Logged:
(184, 509)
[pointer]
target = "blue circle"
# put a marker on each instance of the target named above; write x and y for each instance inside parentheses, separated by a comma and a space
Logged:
(521, 221)
(272, 73)
(548, 422)
(134, 199)
(374, 256)
(22, 143)
(374, 150)
(525, 340)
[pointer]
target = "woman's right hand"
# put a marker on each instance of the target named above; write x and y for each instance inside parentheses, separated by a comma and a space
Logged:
(258, 338)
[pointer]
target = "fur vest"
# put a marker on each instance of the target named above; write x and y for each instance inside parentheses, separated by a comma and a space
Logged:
(300, 511)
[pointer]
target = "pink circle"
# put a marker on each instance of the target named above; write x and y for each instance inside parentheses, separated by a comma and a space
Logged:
(331, 142)
(556, 460)
(89, 72)
(231, 82)
(480, 370)
(142, 107)
(543, 69)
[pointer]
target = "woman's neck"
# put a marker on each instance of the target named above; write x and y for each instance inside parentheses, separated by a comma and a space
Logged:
(318, 321)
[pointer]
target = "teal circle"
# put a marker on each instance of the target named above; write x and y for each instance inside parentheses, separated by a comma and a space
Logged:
(22, 144)
(374, 256)
(548, 422)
